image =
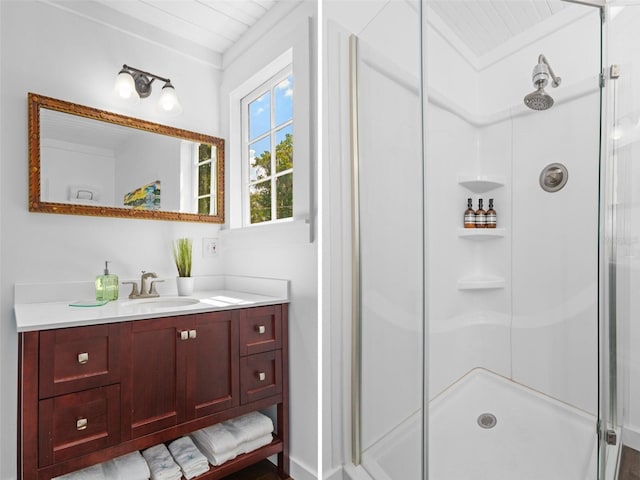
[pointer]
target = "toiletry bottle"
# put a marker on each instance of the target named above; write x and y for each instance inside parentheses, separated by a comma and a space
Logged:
(492, 217)
(107, 285)
(481, 216)
(469, 215)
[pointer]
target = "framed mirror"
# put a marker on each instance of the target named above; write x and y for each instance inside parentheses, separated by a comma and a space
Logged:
(85, 161)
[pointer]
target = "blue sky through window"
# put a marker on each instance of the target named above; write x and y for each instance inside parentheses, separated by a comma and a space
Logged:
(284, 100)
(260, 116)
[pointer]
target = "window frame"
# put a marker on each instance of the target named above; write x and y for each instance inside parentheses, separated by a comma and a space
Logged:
(268, 85)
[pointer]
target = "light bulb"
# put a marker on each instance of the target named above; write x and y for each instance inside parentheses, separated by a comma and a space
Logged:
(169, 102)
(125, 88)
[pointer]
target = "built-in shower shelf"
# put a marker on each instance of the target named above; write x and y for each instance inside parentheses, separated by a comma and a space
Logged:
(481, 283)
(481, 233)
(481, 183)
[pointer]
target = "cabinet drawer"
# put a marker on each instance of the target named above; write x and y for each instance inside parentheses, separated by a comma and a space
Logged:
(260, 376)
(260, 330)
(75, 359)
(78, 423)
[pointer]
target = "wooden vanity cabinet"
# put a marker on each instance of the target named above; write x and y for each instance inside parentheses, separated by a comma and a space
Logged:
(92, 393)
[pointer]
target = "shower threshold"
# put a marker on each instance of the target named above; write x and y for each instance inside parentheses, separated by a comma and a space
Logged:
(486, 427)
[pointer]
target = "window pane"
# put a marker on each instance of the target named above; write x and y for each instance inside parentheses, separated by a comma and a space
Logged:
(204, 179)
(284, 148)
(204, 205)
(284, 100)
(260, 159)
(260, 202)
(260, 116)
(284, 199)
(204, 152)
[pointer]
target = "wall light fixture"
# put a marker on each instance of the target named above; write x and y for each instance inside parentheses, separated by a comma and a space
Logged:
(133, 84)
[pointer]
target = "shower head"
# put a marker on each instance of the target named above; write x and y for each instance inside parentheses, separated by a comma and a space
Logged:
(538, 100)
(541, 100)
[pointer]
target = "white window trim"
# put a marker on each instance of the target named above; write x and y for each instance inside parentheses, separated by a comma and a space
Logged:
(270, 84)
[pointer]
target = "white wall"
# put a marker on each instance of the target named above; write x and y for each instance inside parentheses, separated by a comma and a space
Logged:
(286, 250)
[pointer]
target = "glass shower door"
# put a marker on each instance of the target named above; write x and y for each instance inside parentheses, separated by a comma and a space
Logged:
(385, 77)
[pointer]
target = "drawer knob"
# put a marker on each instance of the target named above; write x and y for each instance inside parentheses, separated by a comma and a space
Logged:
(192, 334)
(261, 329)
(83, 358)
(184, 335)
(262, 376)
(81, 424)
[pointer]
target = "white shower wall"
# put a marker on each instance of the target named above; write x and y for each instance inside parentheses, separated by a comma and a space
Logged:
(540, 329)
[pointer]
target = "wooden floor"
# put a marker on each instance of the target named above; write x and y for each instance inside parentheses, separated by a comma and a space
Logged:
(629, 464)
(264, 470)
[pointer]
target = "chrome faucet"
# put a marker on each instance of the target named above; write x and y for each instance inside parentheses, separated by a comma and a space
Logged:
(145, 291)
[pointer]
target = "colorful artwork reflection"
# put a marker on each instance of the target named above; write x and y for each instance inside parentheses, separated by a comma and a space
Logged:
(146, 197)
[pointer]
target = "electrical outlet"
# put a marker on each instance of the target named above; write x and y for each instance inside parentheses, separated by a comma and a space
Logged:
(209, 247)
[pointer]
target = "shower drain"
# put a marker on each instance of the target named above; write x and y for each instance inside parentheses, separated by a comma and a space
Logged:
(487, 420)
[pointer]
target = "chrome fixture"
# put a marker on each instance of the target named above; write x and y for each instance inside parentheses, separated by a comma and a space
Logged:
(541, 100)
(133, 84)
(553, 177)
(145, 291)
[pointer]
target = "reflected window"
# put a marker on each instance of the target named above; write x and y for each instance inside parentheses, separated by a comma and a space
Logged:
(206, 187)
(268, 150)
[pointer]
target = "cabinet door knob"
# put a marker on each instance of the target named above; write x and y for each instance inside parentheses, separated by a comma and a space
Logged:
(184, 335)
(81, 424)
(261, 376)
(83, 358)
(192, 334)
(261, 329)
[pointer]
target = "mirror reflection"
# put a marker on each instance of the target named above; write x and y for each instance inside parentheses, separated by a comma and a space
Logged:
(86, 161)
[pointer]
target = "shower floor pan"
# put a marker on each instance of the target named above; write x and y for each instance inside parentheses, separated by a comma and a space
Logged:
(535, 437)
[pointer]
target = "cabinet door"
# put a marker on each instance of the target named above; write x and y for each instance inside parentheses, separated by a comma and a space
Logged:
(212, 372)
(155, 385)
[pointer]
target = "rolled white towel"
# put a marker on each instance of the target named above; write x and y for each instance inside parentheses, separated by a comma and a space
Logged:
(189, 458)
(252, 445)
(127, 467)
(94, 472)
(161, 463)
(216, 437)
(249, 427)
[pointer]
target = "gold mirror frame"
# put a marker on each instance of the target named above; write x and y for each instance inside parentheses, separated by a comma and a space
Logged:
(36, 102)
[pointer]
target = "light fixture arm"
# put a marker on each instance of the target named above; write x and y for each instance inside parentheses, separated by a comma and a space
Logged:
(143, 80)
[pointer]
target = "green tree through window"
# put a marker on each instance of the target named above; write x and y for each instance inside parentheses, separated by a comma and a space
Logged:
(269, 150)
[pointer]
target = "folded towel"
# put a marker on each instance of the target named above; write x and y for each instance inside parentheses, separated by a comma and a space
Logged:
(252, 445)
(161, 463)
(249, 427)
(188, 457)
(131, 466)
(217, 438)
(215, 458)
(94, 472)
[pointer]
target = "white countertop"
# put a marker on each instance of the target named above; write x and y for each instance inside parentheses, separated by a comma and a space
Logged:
(33, 315)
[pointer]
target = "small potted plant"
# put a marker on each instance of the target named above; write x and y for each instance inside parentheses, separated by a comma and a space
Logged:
(182, 255)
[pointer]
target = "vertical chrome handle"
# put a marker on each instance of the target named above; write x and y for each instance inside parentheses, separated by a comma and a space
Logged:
(192, 334)
(184, 335)
(356, 291)
(260, 329)
(83, 358)
(81, 424)
(261, 376)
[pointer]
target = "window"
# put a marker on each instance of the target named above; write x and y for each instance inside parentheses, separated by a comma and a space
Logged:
(204, 163)
(268, 150)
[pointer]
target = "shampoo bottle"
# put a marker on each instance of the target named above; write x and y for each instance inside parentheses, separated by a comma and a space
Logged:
(107, 285)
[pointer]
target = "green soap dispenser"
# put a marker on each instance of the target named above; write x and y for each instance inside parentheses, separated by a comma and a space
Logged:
(107, 285)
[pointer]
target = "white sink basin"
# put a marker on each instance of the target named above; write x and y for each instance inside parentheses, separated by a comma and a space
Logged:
(162, 302)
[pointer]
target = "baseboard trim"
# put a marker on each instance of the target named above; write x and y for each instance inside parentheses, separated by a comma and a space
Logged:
(631, 437)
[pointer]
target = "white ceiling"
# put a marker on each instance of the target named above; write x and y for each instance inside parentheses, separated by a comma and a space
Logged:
(483, 25)
(213, 24)
(204, 29)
